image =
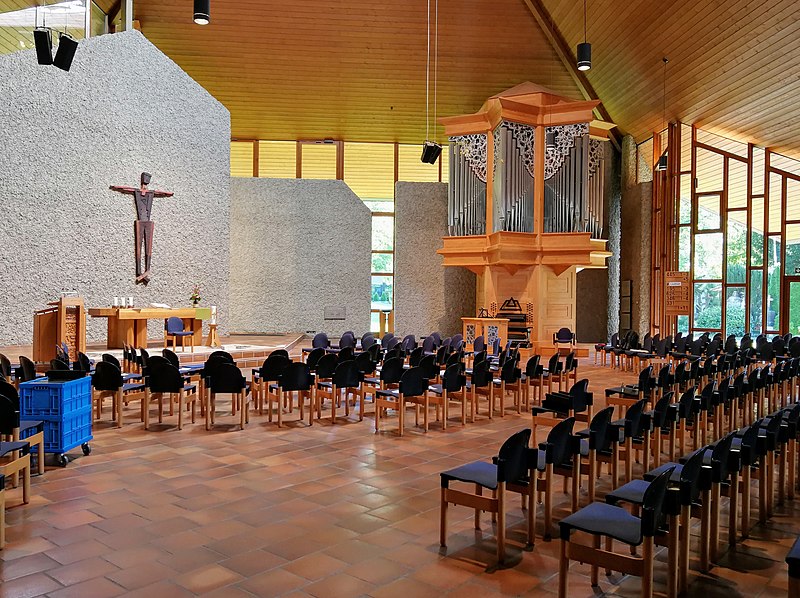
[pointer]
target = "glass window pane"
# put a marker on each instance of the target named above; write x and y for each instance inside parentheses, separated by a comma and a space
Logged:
(685, 210)
(683, 324)
(98, 21)
(757, 233)
(685, 249)
(382, 292)
(709, 170)
(759, 164)
(792, 267)
(369, 169)
(708, 212)
(277, 159)
(319, 160)
(784, 163)
(794, 308)
(383, 262)
(380, 206)
(775, 203)
(382, 233)
(708, 256)
(773, 284)
(686, 150)
(756, 301)
(729, 145)
(737, 184)
(734, 312)
(375, 322)
(708, 305)
(792, 199)
(242, 158)
(737, 249)
(410, 168)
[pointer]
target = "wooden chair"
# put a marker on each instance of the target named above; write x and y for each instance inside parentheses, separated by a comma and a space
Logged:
(601, 520)
(413, 389)
(346, 379)
(452, 390)
(165, 379)
(793, 561)
(558, 455)
(598, 444)
(264, 380)
(577, 403)
(227, 379)
(509, 382)
(481, 384)
(554, 372)
(174, 329)
(295, 379)
(2, 512)
(15, 459)
(534, 381)
(509, 471)
(16, 429)
(108, 383)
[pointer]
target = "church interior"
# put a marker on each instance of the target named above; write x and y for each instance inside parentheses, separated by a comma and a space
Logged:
(315, 298)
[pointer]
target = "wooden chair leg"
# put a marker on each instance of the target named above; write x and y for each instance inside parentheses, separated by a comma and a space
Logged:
(501, 522)
(647, 573)
(563, 569)
(443, 519)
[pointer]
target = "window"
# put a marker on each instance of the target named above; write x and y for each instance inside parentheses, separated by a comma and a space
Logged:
(318, 160)
(242, 158)
(277, 159)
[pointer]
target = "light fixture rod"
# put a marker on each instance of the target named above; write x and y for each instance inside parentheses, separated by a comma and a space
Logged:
(428, 78)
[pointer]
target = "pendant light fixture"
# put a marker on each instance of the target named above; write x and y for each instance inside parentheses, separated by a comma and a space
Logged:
(585, 49)
(430, 149)
(661, 165)
(202, 12)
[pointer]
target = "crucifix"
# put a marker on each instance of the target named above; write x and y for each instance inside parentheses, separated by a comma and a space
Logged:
(143, 227)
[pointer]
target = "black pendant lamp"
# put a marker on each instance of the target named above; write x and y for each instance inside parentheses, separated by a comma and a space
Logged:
(550, 138)
(584, 52)
(661, 165)
(202, 12)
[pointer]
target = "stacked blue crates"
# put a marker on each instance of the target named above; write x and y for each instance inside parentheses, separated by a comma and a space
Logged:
(64, 407)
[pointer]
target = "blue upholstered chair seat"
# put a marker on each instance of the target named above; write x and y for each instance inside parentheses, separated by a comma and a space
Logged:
(607, 520)
(8, 447)
(654, 473)
(390, 392)
(478, 472)
(632, 492)
(435, 389)
(184, 333)
(130, 387)
(372, 380)
(126, 377)
(793, 559)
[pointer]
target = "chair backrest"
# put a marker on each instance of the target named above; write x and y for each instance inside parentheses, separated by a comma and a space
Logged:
(106, 377)
(663, 376)
(479, 356)
(413, 382)
(320, 341)
(393, 342)
(409, 343)
(532, 368)
(224, 355)
(314, 356)
(165, 378)
(282, 352)
(7, 390)
(368, 341)
(580, 395)
(564, 335)
(560, 445)
(386, 340)
(441, 354)
(453, 380)
(170, 356)
(510, 372)
(28, 369)
(346, 354)
(720, 458)
(661, 409)
(645, 377)
(457, 338)
(227, 378)
(512, 460)
(429, 367)
(392, 354)
(392, 370)
(653, 504)
(365, 363)
(58, 364)
(730, 344)
(601, 434)
(428, 344)
(174, 324)
(481, 374)
(327, 365)
(416, 356)
(347, 375)
(452, 359)
(635, 423)
(553, 364)
(347, 339)
(84, 363)
(5, 366)
(9, 417)
(296, 376)
(273, 366)
(437, 338)
(212, 364)
(375, 351)
(570, 362)
(479, 344)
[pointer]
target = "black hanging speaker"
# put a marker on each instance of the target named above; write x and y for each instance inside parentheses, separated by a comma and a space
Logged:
(430, 152)
(66, 52)
(202, 12)
(43, 39)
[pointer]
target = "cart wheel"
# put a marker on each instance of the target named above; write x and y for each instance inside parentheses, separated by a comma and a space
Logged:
(62, 460)
(87, 450)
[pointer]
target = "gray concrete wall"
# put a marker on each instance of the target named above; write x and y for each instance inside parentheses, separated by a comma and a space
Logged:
(613, 204)
(427, 296)
(298, 246)
(636, 233)
(123, 108)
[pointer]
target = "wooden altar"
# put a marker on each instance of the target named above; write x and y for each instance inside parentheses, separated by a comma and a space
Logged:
(64, 321)
(129, 325)
(525, 202)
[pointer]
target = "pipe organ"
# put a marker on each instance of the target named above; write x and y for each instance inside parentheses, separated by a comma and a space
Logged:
(522, 216)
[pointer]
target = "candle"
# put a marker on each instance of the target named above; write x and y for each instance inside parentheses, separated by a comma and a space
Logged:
(116, 301)
(213, 314)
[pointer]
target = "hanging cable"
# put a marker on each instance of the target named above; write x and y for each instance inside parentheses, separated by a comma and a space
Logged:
(428, 77)
(436, 72)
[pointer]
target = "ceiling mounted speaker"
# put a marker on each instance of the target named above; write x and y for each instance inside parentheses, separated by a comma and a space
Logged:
(66, 51)
(43, 39)
(202, 12)
(430, 152)
(550, 139)
(662, 162)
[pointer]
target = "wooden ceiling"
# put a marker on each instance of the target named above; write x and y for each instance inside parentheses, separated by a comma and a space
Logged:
(355, 70)
(734, 65)
(351, 69)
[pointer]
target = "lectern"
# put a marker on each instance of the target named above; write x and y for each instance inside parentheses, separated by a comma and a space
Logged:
(63, 321)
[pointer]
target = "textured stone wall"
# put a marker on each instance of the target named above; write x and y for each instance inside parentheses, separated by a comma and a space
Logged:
(613, 199)
(298, 246)
(427, 296)
(123, 108)
(635, 247)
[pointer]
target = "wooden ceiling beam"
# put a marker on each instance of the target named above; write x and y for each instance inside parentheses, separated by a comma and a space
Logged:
(564, 53)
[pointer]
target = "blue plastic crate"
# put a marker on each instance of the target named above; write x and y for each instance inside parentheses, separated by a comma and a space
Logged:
(51, 399)
(62, 434)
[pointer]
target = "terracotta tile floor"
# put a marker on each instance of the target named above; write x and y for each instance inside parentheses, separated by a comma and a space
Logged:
(332, 510)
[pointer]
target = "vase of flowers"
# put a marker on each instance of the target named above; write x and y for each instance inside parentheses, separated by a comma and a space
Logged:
(195, 297)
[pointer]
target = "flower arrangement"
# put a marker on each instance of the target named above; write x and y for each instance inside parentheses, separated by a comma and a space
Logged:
(195, 297)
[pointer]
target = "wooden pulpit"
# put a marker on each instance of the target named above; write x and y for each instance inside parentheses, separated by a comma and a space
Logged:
(63, 321)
